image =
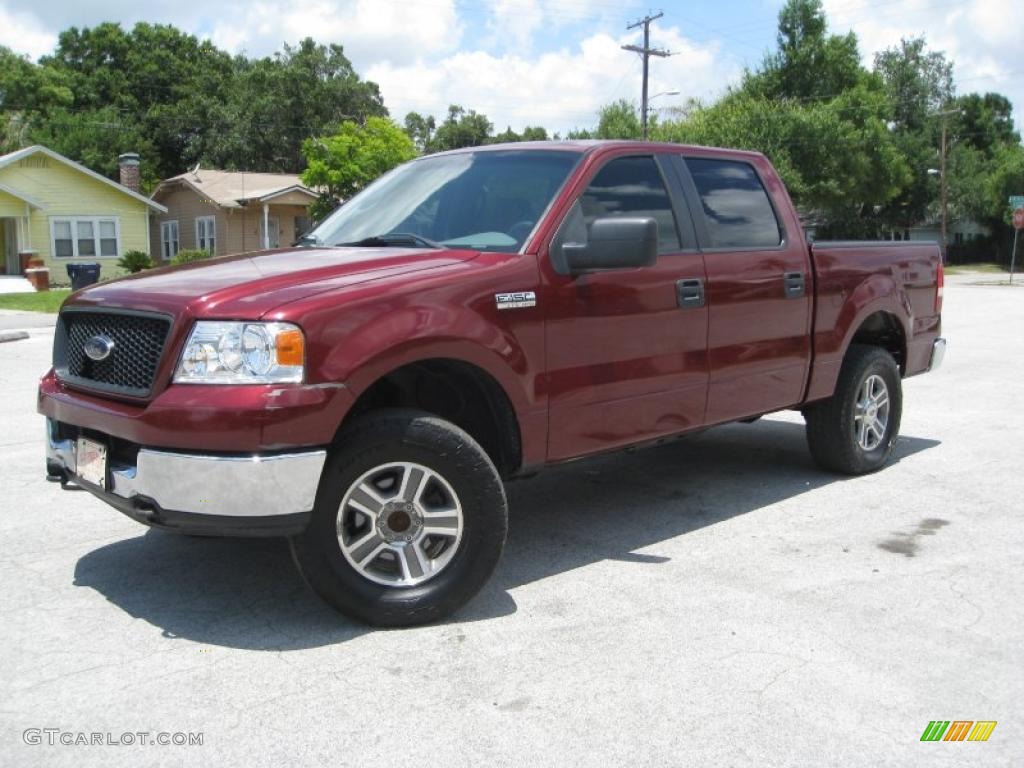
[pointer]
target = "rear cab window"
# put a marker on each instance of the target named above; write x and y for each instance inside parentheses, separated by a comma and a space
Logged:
(737, 210)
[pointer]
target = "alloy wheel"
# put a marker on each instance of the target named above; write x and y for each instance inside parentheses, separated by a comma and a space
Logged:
(400, 524)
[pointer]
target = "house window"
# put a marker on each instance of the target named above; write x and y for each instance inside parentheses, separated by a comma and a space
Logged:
(206, 233)
(169, 239)
(108, 238)
(63, 243)
(302, 225)
(85, 237)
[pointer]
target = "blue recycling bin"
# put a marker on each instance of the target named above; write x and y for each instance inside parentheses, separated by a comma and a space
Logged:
(83, 274)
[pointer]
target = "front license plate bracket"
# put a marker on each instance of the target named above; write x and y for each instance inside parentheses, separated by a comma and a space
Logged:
(91, 462)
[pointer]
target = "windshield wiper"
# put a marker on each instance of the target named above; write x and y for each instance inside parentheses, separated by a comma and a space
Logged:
(393, 238)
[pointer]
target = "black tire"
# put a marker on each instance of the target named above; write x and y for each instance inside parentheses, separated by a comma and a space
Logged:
(832, 430)
(398, 435)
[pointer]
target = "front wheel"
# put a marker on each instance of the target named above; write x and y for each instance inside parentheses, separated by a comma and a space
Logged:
(854, 431)
(409, 522)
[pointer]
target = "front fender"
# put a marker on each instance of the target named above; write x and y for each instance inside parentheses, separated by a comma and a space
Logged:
(395, 337)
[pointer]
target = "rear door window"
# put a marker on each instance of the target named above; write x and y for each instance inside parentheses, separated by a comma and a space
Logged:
(736, 206)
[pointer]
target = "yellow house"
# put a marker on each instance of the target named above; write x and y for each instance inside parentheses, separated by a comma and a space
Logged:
(57, 210)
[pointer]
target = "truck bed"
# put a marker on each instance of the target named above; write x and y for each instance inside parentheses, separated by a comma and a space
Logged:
(850, 274)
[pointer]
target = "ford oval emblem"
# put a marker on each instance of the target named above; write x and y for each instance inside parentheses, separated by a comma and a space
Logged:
(98, 348)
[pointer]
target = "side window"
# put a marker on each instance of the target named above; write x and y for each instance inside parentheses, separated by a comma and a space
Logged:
(632, 186)
(736, 206)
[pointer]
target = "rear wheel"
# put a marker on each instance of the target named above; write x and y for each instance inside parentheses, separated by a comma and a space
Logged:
(409, 523)
(854, 431)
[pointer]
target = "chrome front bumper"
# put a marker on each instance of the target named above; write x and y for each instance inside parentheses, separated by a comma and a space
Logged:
(196, 484)
(938, 354)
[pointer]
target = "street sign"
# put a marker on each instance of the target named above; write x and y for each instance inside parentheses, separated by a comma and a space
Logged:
(1017, 201)
(1018, 218)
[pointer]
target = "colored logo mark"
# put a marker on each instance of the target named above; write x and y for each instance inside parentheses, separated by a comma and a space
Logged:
(958, 730)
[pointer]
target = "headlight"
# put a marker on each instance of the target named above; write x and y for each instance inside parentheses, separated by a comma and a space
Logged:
(242, 353)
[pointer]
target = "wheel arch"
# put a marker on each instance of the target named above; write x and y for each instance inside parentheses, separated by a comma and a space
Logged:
(453, 388)
(877, 313)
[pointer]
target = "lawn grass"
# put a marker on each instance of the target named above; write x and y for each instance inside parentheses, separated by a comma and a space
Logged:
(964, 269)
(45, 301)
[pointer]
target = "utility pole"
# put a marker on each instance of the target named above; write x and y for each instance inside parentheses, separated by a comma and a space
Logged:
(942, 193)
(943, 186)
(646, 51)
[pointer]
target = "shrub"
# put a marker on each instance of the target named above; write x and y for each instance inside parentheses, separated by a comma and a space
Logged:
(188, 255)
(135, 261)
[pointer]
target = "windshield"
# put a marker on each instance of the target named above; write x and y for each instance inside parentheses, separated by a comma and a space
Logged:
(478, 200)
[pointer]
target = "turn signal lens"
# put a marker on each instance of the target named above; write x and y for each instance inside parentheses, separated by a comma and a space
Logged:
(291, 347)
(940, 284)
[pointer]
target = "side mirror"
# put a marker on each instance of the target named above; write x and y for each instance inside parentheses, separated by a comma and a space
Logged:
(615, 243)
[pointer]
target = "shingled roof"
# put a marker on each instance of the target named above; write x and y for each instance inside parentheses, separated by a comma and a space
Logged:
(234, 189)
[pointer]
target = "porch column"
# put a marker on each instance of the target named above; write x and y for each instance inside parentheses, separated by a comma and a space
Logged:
(266, 226)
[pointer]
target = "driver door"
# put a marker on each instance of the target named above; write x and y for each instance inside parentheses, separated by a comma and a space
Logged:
(626, 348)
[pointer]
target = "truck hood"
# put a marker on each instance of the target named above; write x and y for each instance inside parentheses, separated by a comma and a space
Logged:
(246, 286)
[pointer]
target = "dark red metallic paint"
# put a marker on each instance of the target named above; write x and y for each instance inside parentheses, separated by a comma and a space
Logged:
(602, 361)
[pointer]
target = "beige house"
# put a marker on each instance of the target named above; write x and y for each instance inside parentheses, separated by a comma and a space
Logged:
(229, 212)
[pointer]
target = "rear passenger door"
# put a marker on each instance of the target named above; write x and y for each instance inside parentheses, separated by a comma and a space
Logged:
(626, 348)
(758, 286)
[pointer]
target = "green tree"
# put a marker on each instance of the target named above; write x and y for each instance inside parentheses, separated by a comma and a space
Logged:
(918, 84)
(279, 101)
(152, 78)
(506, 136)
(836, 159)
(530, 133)
(809, 64)
(461, 128)
(984, 122)
(178, 100)
(28, 93)
(95, 138)
(917, 81)
(345, 162)
(619, 120)
(420, 129)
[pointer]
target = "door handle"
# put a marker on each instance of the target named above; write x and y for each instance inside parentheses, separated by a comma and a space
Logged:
(795, 284)
(690, 293)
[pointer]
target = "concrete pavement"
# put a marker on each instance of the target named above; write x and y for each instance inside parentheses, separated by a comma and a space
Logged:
(16, 320)
(15, 284)
(717, 601)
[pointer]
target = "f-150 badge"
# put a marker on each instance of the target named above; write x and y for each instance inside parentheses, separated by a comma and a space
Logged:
(517, 300)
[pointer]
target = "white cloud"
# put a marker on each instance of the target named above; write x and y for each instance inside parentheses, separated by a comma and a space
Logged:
(24, 34)
(981, 37)
(368, 29)
(559, 89)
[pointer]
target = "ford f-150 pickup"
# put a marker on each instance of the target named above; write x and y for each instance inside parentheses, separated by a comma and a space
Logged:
(467, 318)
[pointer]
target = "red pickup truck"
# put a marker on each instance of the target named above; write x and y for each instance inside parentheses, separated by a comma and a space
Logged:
(470, 317)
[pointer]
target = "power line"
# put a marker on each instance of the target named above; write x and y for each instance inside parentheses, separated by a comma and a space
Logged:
(646, 52)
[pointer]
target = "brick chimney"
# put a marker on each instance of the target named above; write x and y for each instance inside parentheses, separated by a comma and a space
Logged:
(128, 163)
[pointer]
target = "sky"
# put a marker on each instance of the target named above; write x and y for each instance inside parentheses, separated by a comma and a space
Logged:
(547, 62)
